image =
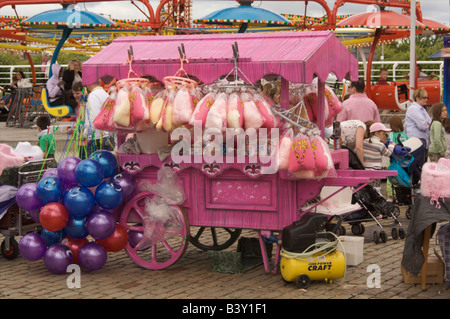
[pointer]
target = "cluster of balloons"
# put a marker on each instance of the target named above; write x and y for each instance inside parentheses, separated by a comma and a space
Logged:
(74, 203)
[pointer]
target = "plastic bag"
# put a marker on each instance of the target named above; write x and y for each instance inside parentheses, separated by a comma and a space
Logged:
(168, 185)
(217, 116)
(235, 111)
(333, 105)
(138, 108)
(182, 107)
(157, 106)
(159, 217)
(201, 110)
(284, 148)
(104, 120)
(122, 111)
(301, 156)
(264, 107)
(252, 116)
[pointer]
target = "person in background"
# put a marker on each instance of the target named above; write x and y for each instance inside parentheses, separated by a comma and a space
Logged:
(358, 106)
(46, 140)
(55, 86)
(396, 135)
(438, 141)
(353, 134)
(96, 139)
(417, 120)
(22, 81)
(384, 73)
(396, 124)
(447, 136)
(7, 99)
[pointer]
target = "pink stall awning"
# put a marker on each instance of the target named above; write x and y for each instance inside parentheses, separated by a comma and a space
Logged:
(296, 56)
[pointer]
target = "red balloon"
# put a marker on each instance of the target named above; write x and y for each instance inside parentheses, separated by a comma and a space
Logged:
(74, 246)
(117, 241)
(53, 216)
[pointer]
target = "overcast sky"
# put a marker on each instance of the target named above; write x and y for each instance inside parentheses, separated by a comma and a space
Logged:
(438, 10)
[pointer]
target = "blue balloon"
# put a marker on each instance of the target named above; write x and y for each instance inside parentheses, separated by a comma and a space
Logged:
(79, 201)
(49, 189)
(109, 195)
(51, 237)
(76, 228)
(107, 160)
(89, 173)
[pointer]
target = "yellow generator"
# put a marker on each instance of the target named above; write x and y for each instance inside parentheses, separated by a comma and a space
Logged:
(310, 251)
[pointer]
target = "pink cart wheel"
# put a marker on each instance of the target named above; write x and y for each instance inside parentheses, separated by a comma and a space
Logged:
(165, 248)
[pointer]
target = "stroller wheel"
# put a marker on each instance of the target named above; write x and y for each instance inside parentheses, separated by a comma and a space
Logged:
(401, 233)
(376, 237)
(394, 233)
(383, 236)
(358, 229)
(408, 212)
(13, 250)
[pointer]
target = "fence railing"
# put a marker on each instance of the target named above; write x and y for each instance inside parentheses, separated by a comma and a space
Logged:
(397, 70)
(8, 71)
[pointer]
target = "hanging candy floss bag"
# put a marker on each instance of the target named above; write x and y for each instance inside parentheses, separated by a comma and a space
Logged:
(104, 120)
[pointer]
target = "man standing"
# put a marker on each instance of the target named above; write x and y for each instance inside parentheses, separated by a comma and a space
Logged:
(96, 139)
(358, 106)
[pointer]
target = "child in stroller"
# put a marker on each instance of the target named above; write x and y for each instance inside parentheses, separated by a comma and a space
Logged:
(405, 186)
(373, 206)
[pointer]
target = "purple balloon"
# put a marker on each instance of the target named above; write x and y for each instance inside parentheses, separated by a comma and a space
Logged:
(27, 197)
(34, 214)
(66, 170)
(134, 237)
(101, 224)
(57, 258)
(32, 247)
(51, 172)
(92, 256)
(127, 182)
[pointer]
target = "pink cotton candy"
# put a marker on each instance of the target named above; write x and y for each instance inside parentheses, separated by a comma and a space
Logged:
(138, 108)
(201, 110)
(217, 115)
(319, 155)
(235, 111)
(284, 150)
(252, 116)
(104, 120)
(182, 107)
(301, 156)
(333, 105)
(266, 111)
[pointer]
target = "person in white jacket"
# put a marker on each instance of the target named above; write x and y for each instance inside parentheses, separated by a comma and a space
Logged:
(96, 139)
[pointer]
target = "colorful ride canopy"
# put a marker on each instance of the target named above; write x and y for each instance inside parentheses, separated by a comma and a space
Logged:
(70, 17)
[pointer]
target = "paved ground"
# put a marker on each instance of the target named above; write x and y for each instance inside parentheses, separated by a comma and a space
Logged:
(191, 276)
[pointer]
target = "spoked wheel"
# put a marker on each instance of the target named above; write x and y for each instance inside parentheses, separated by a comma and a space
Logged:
(163, 240)
(215, 238)
(12, 251)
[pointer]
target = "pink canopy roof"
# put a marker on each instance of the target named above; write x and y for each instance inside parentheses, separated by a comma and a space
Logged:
(296, 56)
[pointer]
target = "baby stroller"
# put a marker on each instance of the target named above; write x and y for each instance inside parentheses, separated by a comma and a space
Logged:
(14, 221)
(405, 186)
(374, 206)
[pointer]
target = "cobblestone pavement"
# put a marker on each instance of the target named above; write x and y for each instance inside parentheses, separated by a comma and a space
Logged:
(192, 278)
